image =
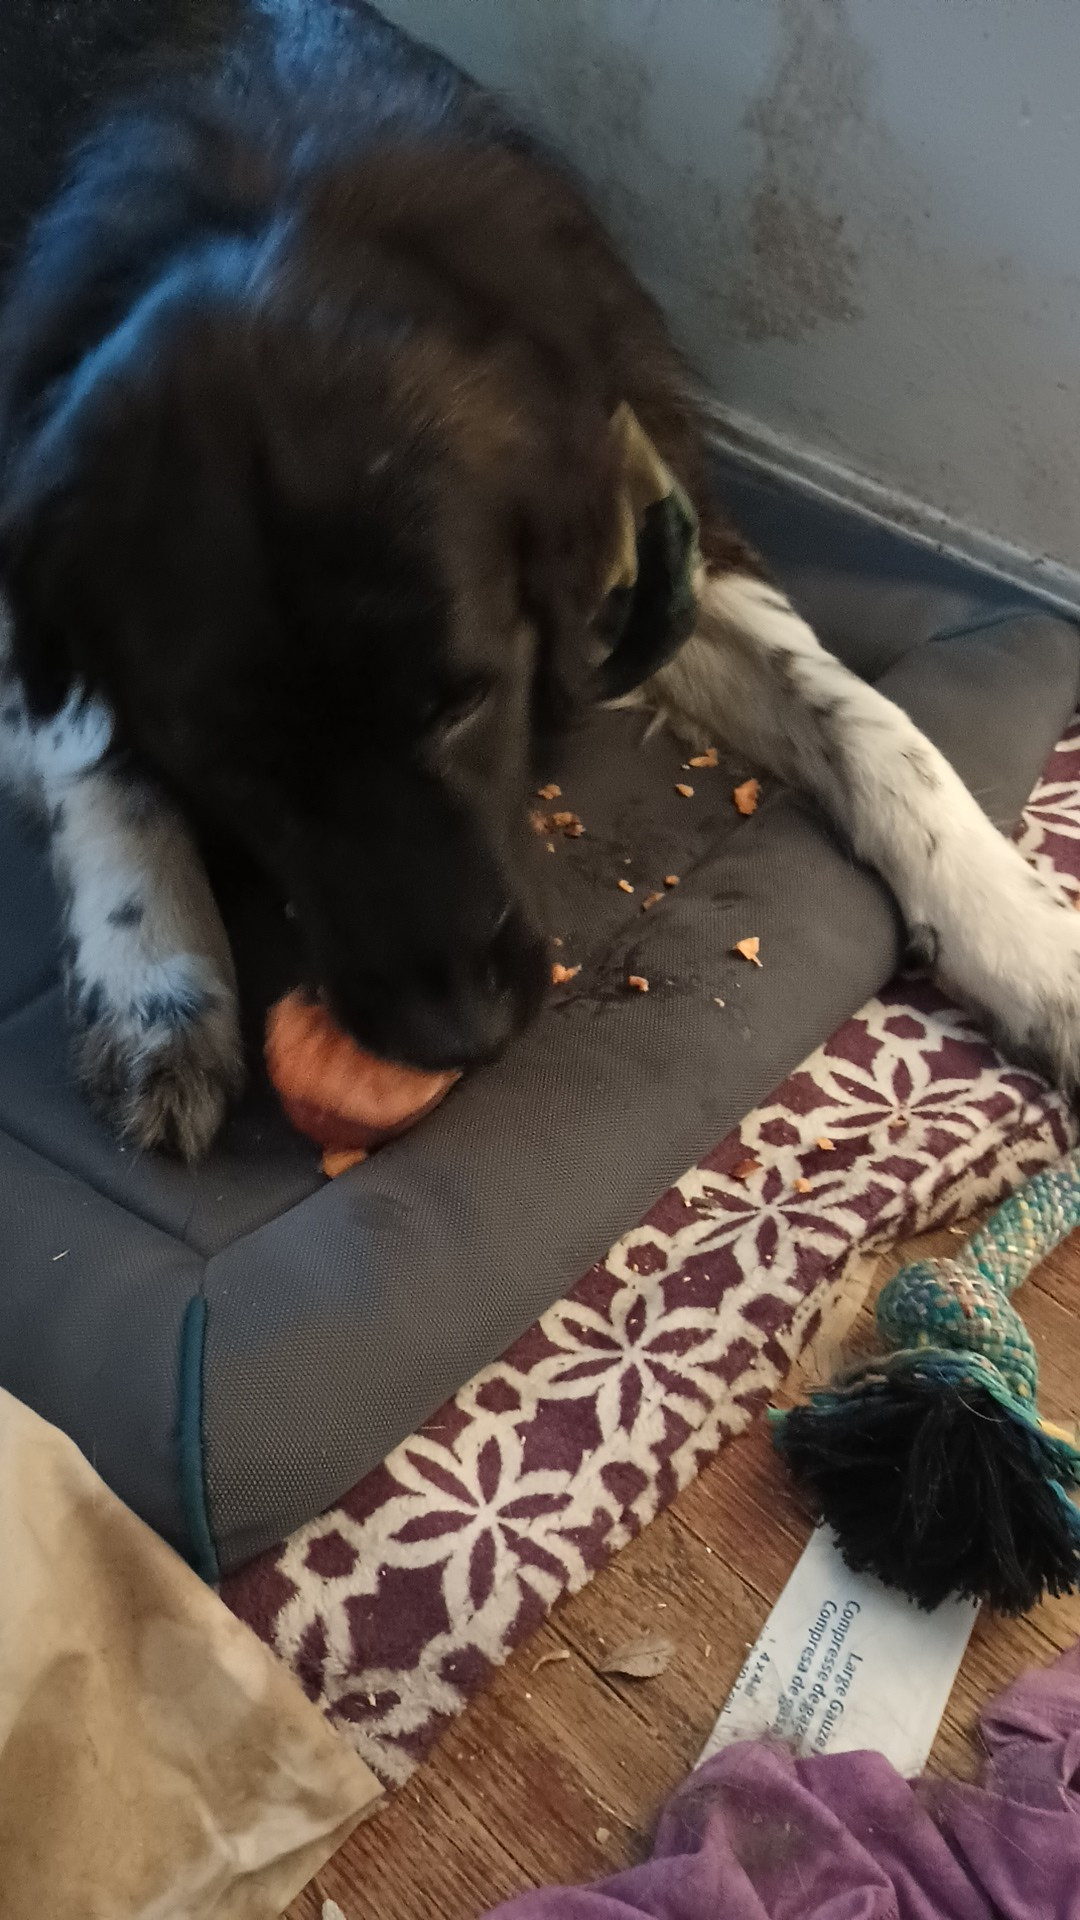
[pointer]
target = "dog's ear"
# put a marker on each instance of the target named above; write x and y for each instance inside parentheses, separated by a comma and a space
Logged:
(567, 512)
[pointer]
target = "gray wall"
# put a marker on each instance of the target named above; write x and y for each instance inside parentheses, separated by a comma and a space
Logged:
(863, 217)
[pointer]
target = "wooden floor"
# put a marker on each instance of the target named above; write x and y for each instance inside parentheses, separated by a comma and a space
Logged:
(556, 1772)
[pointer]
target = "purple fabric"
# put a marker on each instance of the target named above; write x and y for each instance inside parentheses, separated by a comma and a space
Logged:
(758, 1835)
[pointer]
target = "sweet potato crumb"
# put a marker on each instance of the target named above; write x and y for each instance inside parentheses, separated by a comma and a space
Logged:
(801, 1186)
(744, 1168)
(560, 974)
(681, 787)
(825, 1145)
(575, 830)
(747, 796)
(749, 949)
(550, 792)
(337, 1160)
(671, 880)
(707, 759)
(625, 886)
(638, 982)
(650, 900)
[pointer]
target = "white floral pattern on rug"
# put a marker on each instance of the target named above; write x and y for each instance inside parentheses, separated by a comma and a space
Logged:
(393, 1607)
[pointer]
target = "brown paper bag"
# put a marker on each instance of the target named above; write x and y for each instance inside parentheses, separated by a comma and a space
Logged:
(156, 1762)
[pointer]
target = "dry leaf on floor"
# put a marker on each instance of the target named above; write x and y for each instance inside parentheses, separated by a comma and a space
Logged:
(749, 948)
(552, 1659)
(560, 974)
(707, 759)
(640, 1659)
(747, 796)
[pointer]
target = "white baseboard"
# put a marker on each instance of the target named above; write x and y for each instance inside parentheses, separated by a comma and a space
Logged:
(829, 479)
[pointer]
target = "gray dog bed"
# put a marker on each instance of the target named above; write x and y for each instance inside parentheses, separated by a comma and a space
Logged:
(234, 1346)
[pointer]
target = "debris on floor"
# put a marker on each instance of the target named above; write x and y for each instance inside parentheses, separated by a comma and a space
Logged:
(640, 1659)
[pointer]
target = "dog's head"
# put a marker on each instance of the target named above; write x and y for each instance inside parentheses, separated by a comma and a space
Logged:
(337, 586)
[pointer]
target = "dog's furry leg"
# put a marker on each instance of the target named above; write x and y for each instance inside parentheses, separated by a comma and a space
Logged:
(149, 974)
(754, 675)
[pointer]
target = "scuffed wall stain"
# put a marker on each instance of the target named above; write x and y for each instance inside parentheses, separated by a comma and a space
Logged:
(795, 266)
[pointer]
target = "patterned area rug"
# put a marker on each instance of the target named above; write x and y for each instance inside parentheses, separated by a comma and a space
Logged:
(394, 1606)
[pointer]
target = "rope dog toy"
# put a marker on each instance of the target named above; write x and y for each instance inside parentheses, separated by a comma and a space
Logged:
(930, 1461)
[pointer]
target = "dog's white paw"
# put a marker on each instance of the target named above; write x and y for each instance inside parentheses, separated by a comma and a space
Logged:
(163, 1067)
(1020, 968)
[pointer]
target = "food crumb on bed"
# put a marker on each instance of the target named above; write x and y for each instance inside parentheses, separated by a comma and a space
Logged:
(671, 880)
(826, 1145)
(338, 1160)
(650, 900)
(718, 1002)
(550, 792)
(744, 1168)
(746, 796)
(801, 1186)
(625, 886)
(681, 787)
(638, 982)
(749, 949)
(562, 822)
(709, 758)
(560, 974)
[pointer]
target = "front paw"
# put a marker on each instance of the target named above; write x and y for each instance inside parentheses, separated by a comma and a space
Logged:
(1021, 970)
(163, 1068)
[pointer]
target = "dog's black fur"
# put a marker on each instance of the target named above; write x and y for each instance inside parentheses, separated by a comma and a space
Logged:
(306, 382)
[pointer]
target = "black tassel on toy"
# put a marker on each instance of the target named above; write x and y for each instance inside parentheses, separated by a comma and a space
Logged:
(930, 1463)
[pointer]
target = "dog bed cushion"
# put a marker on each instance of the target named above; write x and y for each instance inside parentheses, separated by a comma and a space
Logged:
(235, 1345)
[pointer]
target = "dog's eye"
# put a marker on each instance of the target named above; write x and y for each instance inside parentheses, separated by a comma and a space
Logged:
(462, 705)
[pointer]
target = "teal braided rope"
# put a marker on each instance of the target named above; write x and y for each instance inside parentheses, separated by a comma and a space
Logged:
(961, 1305)
(929, 1460)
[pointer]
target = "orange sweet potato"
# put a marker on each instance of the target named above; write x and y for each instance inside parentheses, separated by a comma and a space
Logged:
(341, 1097)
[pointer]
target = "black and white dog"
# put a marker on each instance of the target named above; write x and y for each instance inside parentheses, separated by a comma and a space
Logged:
(308, 500)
